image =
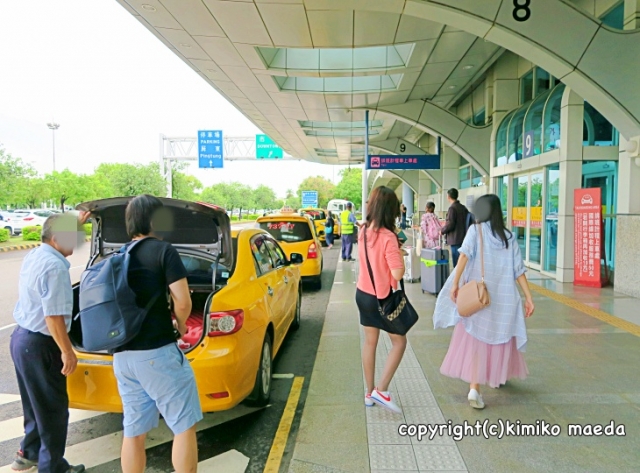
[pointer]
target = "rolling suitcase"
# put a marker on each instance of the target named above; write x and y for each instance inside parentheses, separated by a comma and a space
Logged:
(434, 269)
(412, 263)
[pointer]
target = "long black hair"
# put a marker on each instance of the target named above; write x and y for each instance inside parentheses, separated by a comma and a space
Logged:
(489, 209)
(383, 209)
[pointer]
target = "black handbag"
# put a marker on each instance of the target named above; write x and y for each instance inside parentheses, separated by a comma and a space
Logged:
(398, 315)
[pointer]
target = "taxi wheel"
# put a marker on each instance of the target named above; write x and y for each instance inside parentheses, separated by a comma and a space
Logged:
(259, 397)
(295, 325)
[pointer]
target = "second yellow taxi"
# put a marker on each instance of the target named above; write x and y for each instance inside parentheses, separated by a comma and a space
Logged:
(297, 234)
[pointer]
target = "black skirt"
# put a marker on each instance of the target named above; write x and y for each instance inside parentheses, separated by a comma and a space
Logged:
(368, 307)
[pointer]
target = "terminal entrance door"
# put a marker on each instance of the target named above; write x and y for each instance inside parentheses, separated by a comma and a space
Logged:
(526, 217)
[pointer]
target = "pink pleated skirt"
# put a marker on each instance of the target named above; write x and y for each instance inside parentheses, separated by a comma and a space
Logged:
(474, 361)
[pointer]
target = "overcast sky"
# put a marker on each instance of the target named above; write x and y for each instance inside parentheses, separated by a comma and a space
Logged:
(113, 87)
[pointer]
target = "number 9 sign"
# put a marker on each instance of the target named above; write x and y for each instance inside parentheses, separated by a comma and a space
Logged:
(528, 144)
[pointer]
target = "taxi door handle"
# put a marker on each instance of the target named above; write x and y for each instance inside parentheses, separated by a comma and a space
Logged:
(270, 290)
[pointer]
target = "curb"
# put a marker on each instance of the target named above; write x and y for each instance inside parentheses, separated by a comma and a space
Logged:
(26, 246)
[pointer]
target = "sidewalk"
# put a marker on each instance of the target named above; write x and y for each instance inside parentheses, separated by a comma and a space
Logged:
(582, 356)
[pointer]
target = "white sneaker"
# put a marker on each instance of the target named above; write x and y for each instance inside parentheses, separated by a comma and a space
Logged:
(475, 399)
(367, 400)
(383, 398)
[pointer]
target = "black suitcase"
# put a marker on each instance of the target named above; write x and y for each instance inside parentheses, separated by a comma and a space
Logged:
(434, 269)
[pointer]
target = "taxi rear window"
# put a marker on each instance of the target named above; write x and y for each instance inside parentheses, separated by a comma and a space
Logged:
(288, 231)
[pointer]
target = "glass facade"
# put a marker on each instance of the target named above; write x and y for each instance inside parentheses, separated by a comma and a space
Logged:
(502, 191)
(541, 117)
(551, 218)
(597, 130)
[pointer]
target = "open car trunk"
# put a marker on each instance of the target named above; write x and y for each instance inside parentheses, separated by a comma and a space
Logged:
(200, 232)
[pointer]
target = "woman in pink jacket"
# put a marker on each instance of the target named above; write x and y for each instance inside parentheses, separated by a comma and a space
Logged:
(430, 227)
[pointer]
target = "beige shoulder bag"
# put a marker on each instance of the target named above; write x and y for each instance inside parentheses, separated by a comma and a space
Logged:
(474, 296)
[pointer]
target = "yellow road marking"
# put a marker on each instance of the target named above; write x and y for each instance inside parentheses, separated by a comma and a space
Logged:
(588, 310)
(282, 434)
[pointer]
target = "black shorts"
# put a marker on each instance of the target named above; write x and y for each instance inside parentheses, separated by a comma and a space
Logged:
(368, 307)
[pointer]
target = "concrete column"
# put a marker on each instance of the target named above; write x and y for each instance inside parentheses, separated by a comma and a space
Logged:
(407, 198)
(571, 126)
(631, 14)
(450, 174)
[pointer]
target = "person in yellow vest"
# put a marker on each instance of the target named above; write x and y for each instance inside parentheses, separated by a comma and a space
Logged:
(347, 222)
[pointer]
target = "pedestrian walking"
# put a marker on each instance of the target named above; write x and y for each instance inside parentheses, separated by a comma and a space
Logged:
(153, 374)
(486, 348)
(328, 230)
(386, 258)
(403, 217)
(430, 227)
(348, 223)
(456, 226)
(40, 347)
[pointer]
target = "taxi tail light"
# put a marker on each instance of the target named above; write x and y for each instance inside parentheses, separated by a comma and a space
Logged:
(225, 323)
(313, 251)
(27, 219)
(219, 395)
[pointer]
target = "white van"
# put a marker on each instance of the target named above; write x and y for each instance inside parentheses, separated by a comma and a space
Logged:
(338, 205)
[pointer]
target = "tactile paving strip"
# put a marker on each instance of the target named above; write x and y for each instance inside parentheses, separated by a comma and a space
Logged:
(388, 450)
(588, 310)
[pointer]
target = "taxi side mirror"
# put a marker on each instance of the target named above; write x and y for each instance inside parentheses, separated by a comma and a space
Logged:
(296, 258)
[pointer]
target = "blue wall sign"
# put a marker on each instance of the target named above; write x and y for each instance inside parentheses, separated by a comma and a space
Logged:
(403, 161)
(210, 149)
(309, 199)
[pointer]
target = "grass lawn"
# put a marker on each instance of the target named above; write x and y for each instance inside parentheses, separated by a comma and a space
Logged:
(15, 241)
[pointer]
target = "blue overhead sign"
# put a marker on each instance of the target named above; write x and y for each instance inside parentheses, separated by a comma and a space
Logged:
(404, 161)
(210, 149)
(309, 199)
(267, 149)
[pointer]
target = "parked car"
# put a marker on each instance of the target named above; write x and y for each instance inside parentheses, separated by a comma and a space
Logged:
(297, 233)
(246, 296)
(6, 222)
(28, 218)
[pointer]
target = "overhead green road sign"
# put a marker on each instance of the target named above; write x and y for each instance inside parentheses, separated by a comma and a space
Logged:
(267, 149)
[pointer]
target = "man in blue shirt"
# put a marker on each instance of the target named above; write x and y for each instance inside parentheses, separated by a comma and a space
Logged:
(41, 349)
(348, 224)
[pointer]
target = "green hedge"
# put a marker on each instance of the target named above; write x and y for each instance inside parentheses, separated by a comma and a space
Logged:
(4, 235)
(31, 233)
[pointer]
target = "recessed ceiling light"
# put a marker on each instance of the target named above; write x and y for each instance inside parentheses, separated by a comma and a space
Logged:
(148, 7)
(468, 66)
(185, 45)
(452, 87)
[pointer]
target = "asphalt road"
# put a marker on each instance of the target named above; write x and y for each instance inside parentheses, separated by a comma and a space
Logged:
(247, 437)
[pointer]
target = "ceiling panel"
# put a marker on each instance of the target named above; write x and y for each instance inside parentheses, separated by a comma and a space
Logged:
(230, 89)
(424, 91)
(241, 76)
(256, 94)
(317, 114)
(228, 14)
(221, 50)
(436, 73)
(295, 113)
(413, 29)
(375, 28)
(313, 101)
(183, 43)
(451, 47)
(155, 13)
(287, 25)
(391, 98)
(331, 29)
(338, 100)
(250, 56)
(210, 69)
(286, 100)
(194, 17)
(365, 100)
(388, 6)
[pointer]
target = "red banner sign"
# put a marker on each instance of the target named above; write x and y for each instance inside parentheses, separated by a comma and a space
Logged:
(588, 237)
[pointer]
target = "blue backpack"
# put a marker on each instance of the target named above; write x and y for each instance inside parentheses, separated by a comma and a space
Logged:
(109, 314)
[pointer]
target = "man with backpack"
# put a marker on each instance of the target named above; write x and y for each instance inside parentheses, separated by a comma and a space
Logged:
(41, 349)
(458, 221)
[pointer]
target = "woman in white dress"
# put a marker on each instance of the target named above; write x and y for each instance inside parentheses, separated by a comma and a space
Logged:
(487, 347)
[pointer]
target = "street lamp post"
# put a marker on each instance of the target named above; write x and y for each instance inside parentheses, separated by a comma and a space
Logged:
(53, 126)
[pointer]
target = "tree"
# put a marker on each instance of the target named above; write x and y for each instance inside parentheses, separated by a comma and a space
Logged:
(323, 186)
(13, 175)
(350, 186)
(185, 186)
(67, 187)
(133, 179)
(264, 197)
(214, 195)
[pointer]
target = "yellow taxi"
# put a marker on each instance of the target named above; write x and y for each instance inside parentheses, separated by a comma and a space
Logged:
(297, 234)
(319, 217)
(246, 295)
